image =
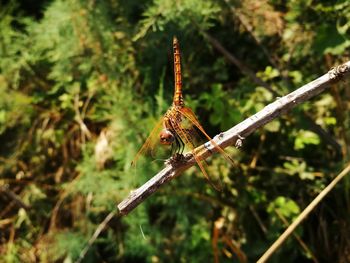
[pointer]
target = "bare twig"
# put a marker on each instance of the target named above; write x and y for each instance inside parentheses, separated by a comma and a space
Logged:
(85, 133)
(258, 219)
(239, 64)
(10, 194)
(302, 216)
(235, 134)
(249, 28)
(98, 231)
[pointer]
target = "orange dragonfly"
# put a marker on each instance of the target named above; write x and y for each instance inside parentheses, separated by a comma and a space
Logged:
(179, 126)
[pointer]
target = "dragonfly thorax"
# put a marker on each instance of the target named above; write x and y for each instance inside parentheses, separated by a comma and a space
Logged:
(166, 137)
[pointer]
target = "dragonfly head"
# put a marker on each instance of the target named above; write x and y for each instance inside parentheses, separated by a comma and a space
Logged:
(166, 137)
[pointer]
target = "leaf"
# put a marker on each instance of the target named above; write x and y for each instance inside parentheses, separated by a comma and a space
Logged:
(273, 126)
(287, 207)
(328, 40)
(304, 138)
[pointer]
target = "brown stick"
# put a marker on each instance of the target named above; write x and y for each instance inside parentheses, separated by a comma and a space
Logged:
(235, 135)
(97, 232)
(297, 237)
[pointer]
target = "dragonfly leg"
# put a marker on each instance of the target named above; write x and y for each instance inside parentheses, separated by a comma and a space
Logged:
(175, 146)
(172, 148)
(181, 146)
(177, 149)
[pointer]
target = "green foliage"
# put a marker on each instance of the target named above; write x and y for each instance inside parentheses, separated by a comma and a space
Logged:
(287, 208)
(305, 137)
(278, 209)
(15, 107)
(183, 13)
(68, 247)
(82, 83)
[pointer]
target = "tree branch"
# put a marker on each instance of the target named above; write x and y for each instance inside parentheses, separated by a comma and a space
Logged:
(235, 135)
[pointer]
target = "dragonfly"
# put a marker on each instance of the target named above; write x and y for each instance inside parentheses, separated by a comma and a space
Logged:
(179, 126)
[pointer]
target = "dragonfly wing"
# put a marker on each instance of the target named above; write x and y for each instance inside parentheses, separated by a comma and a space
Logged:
(188, 113)
(186, 135)
(152, 140)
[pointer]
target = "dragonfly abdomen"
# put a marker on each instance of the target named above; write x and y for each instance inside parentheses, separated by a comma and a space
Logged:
(178, 99)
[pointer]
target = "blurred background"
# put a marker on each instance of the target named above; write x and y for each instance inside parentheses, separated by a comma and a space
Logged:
(82, 83)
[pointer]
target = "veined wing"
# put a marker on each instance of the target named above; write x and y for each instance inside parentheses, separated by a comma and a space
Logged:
(187, 135)
(188, 113)
(151, 142)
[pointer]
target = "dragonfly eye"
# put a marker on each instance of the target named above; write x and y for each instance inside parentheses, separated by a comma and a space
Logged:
(166, 137)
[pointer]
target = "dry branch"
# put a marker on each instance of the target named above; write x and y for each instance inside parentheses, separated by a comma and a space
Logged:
(235, 135)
